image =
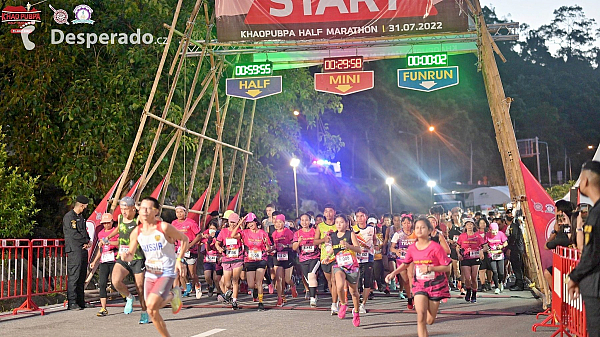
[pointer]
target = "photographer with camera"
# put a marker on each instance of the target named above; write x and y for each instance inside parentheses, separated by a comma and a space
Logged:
(562, 233)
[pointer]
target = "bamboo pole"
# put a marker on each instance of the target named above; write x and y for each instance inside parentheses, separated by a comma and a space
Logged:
(234, 157)
(243, 180)
(507, 143)
(146, 108)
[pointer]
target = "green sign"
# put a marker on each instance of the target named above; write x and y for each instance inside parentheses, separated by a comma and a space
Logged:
(253, 69)
(427, 60)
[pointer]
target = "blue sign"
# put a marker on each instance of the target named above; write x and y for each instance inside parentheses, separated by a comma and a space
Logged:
(428, 79)
(253, 87)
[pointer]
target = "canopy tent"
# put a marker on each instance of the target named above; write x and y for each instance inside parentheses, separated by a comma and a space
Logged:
(488, 196)
(582, 199)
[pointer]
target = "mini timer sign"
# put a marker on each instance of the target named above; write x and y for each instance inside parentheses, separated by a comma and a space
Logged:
(344, 76)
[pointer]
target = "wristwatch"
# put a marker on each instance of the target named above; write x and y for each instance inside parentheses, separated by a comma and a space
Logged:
(553, 232)
(579, 229)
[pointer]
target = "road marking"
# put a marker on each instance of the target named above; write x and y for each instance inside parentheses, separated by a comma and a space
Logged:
(209, 332)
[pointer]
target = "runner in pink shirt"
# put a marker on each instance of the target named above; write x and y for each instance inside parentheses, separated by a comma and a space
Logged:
(470, 252)
(189, 227)
(309, 255)
(430, 284)
(257, 244)
(497, 241)
(105, 254)
(213, 271)
(229, 244)
(284, 258)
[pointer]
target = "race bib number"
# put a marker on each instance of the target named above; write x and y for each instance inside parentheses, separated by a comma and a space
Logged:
(210, 259)
(455, 238)
(123, 249)
(232, 252)
(282, 256)
(255, 255)
(401, 254)
(362, 257)
(497, 256)
(108, 256)
(474, 254)
(424, 276)
(231, 242)
(308, 249)
(187, 254)
(154, 266)
(344, 260)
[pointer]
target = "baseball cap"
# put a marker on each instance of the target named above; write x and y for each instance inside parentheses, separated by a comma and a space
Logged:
(280, 217)
(127, 202)
(465, 220)
(233, 217)
(494, 226)
(106, 217)
(372, 221)
(250, 217)
(227, 214)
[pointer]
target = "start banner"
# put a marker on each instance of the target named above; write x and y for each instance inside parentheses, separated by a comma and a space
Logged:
(258, 20)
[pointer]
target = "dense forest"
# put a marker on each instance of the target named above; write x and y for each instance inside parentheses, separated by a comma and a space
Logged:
(70, 114)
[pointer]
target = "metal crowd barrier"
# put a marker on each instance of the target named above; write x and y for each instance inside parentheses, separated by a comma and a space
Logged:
(31, 268)
(565, 314)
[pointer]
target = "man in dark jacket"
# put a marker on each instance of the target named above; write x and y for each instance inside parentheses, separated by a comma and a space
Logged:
(77, 242)
(516, 244)
(585, 278)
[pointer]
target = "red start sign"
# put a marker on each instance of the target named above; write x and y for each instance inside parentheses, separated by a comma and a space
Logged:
(344, 83)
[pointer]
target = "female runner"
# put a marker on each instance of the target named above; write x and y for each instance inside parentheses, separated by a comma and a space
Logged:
(256, 244)
(284, 259)
(400, 243)
(470, 252)
(308, 256)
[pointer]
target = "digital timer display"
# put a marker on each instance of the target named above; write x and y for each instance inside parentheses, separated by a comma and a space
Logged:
(346, 63)
(253, 69)
(427, 60)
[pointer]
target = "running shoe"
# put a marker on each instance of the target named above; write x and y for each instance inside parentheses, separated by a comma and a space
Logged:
(474, 300)
(261, 306)
(254, 299)
(355, 318)
(279, 302)
(228, 295)
(294, 292)
(313, 302)
(468, 295)
(211, 291)
(185, 293)
(371, 295)
(284, 299)
(129, 305)
(144, 318)
(401, 295)
(176, 303)
(306, 295)
(270, 288)
(361, 309)
(334, 309)
(188, 288)
(199, 291)
(102, 312)
(387, 290)
(250, 292)
(220, 298)
(444, 300)
(497, 291)
(342, 311)
(501, 287)
(234, 305)
(393, 285)
(410, 305)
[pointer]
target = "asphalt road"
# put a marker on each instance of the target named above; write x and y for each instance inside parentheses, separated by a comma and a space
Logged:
(507, 314)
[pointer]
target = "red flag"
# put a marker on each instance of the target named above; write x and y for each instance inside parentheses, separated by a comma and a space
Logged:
(233, 204)
(93, 222)
(131, 192)
(214, 206)
(198, 207)
(158, 189)
(542, 210)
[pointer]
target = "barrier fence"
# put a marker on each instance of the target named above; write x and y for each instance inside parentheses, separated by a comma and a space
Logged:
(565, 314)
(32, 268)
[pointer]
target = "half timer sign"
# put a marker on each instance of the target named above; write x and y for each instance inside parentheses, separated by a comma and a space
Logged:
(346, 63)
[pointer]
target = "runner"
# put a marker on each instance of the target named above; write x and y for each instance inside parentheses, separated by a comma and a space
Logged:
(106, 254)
(365, 234)
(430, 284)
(400, 243)
(189, 227)
(256, 244)
(438, 235)
(157, 238)
(284, 259)
(229, 244)
(386, 223)
(453, 234)
(213, 270)
(395, 227)
(308, 256)
(497, 241)
(485, 270)
(470, 253)
(126, 223)
(378, 264)
(323, 230)
(345, 246)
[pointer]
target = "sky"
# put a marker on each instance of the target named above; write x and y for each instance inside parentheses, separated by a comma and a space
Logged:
(537, 12)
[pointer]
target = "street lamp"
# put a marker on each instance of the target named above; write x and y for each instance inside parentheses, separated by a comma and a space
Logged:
(294, 164)
(431, 184)
(590, 147)
(390, 181)
(431, 128)
(296, 113)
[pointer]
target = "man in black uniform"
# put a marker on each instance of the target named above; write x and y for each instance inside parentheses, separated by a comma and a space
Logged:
(585, 278)
(77, 242)
(516, 244)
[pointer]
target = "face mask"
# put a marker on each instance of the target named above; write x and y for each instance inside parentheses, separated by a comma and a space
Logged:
(212, 232)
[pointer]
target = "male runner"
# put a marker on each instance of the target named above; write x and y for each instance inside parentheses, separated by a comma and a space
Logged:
(365, 234)
(323, 230)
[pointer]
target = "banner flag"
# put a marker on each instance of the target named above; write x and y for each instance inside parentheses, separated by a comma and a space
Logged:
(198, 206)
(234, 203)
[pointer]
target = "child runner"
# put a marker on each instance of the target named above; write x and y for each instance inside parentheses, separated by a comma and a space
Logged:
(256, 246)
(157, 238)
(497, 241)
(189, 227)
(284, 259)
(430, 284)
(229, 244)
(470, 253)
(212, 264)
(308, 256)
(400, 243)
(106, 254)
(345, 269)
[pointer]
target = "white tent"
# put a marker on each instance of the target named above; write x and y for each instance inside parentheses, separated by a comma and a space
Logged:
(488, 196)
(582, 199)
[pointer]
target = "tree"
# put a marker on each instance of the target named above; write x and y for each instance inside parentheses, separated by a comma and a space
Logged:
(572, 31)
(17, 205)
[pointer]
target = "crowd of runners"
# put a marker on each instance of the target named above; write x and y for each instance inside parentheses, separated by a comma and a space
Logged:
(332, 258)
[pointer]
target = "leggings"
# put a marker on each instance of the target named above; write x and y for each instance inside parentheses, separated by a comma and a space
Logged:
(498, 269)
(379, 276)
(105, 270)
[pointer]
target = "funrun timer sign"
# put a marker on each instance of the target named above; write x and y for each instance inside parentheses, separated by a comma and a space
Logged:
(434, 73)
(253, 83)
(344, 76)
(259, 20)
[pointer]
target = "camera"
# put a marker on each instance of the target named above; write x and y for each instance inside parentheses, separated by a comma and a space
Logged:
(584, 210)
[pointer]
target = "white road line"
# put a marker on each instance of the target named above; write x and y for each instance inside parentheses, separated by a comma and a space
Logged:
(209, 332)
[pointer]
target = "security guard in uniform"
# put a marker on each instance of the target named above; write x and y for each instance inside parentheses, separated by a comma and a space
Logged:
(585, 278)
(77, 242)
